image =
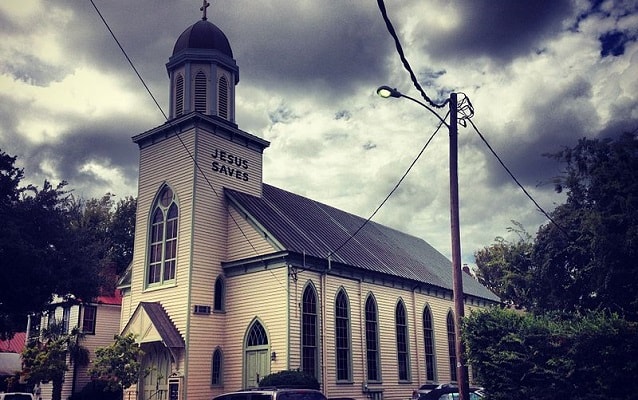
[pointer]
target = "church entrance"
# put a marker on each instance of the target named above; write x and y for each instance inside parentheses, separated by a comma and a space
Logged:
(257, 355)
(157, 362)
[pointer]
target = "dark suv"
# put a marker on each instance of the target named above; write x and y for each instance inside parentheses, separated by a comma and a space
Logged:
(450, 392)
(16, 396)
(273, 394)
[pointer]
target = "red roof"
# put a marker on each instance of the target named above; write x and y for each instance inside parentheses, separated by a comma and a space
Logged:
(13, 345)
(115, 299)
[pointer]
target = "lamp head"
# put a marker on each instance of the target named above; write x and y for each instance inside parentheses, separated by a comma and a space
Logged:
(387, 91)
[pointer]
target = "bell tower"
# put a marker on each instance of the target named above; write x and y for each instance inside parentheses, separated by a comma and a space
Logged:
(173, 299)
(203, 72)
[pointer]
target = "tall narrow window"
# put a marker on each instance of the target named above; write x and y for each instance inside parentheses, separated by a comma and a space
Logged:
(219, 294)
(428, 343)
(51, 318)
(372, 340)
(342, 336)
(66, 319)
(222, 97)
(200, 92)
(401, 325)
(451, 344)
(179, 95)
(163, 239)
(89, 315)
(216, 375)
(309, 332)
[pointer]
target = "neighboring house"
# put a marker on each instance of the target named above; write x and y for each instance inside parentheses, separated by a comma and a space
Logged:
(10, 360)
(97, 320)
(233, 279)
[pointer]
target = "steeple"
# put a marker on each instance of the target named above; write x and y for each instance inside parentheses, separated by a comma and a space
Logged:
(203, 72)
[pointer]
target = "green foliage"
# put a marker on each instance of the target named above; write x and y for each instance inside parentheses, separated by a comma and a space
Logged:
(591, 257)
(290, 379)
(119, 364)
(506, 269)
(122, 233)
(46, 360)
(584, 259)
(566, 356)
(52, 243)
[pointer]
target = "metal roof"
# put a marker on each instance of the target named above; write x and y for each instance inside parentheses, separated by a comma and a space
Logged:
(203, 35)
(305, 226)
(163, 324)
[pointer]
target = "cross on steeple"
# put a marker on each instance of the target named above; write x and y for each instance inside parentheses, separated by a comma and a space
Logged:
(203, 8)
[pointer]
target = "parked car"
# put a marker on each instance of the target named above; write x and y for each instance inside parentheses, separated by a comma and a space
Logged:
(16, 396)
(423, 389)
(450, 391)
(273, 394)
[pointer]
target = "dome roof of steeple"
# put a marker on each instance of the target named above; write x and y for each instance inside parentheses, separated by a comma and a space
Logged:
(203, 35)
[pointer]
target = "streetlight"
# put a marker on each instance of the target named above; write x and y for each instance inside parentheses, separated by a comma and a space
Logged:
(457, 287)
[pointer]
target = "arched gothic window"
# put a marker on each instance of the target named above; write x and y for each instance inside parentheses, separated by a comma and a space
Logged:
(219, 294)
(309, 331)
(222, 97)
(428, 342)
(451, 344)
(257, 335)
(200, 92)
(179, 95)
(403, 357)
(342, 336)
(162, 257)
(216, 367)
(372, 339)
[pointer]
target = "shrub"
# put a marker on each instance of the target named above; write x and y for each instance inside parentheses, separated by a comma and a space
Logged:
(290, 379)
(97, 390)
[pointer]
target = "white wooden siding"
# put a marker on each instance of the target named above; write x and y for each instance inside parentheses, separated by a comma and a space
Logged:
(387, 299)
(244, 241)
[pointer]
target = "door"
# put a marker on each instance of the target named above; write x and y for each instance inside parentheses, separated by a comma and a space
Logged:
(257, 366)
(257, 355)
(157, 362)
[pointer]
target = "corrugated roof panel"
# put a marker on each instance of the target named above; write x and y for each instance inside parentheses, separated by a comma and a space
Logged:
(305, 226)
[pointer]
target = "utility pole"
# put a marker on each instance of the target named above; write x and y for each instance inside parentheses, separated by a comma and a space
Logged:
(457, 288)
(462, 376)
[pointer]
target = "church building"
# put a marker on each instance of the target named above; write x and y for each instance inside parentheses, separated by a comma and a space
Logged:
(233, 279)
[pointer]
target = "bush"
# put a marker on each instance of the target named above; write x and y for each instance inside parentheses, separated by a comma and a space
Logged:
(290, 379)
(97, 390)
(552, 356)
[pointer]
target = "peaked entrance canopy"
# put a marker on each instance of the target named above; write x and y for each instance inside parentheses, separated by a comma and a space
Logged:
(150, 323)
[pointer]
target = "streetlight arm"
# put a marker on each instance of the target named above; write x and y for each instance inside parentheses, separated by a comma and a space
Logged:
(387, 91)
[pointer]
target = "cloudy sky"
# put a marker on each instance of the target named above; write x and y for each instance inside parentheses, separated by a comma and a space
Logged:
(540, 74)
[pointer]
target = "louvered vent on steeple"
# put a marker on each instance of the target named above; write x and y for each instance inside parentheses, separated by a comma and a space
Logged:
(200, 92)
(222, 97)
(179, 95)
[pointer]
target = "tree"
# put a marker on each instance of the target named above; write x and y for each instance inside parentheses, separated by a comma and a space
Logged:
(52, 243)
(584, 259)
(118, 364)
(589, 255)
(39, 254)
(47, 360)
(506, 269)
(122, 233)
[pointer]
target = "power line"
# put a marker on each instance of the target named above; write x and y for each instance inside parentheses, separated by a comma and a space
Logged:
(404, 60)
(392, 191)
(177, 134)
(529, 196)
